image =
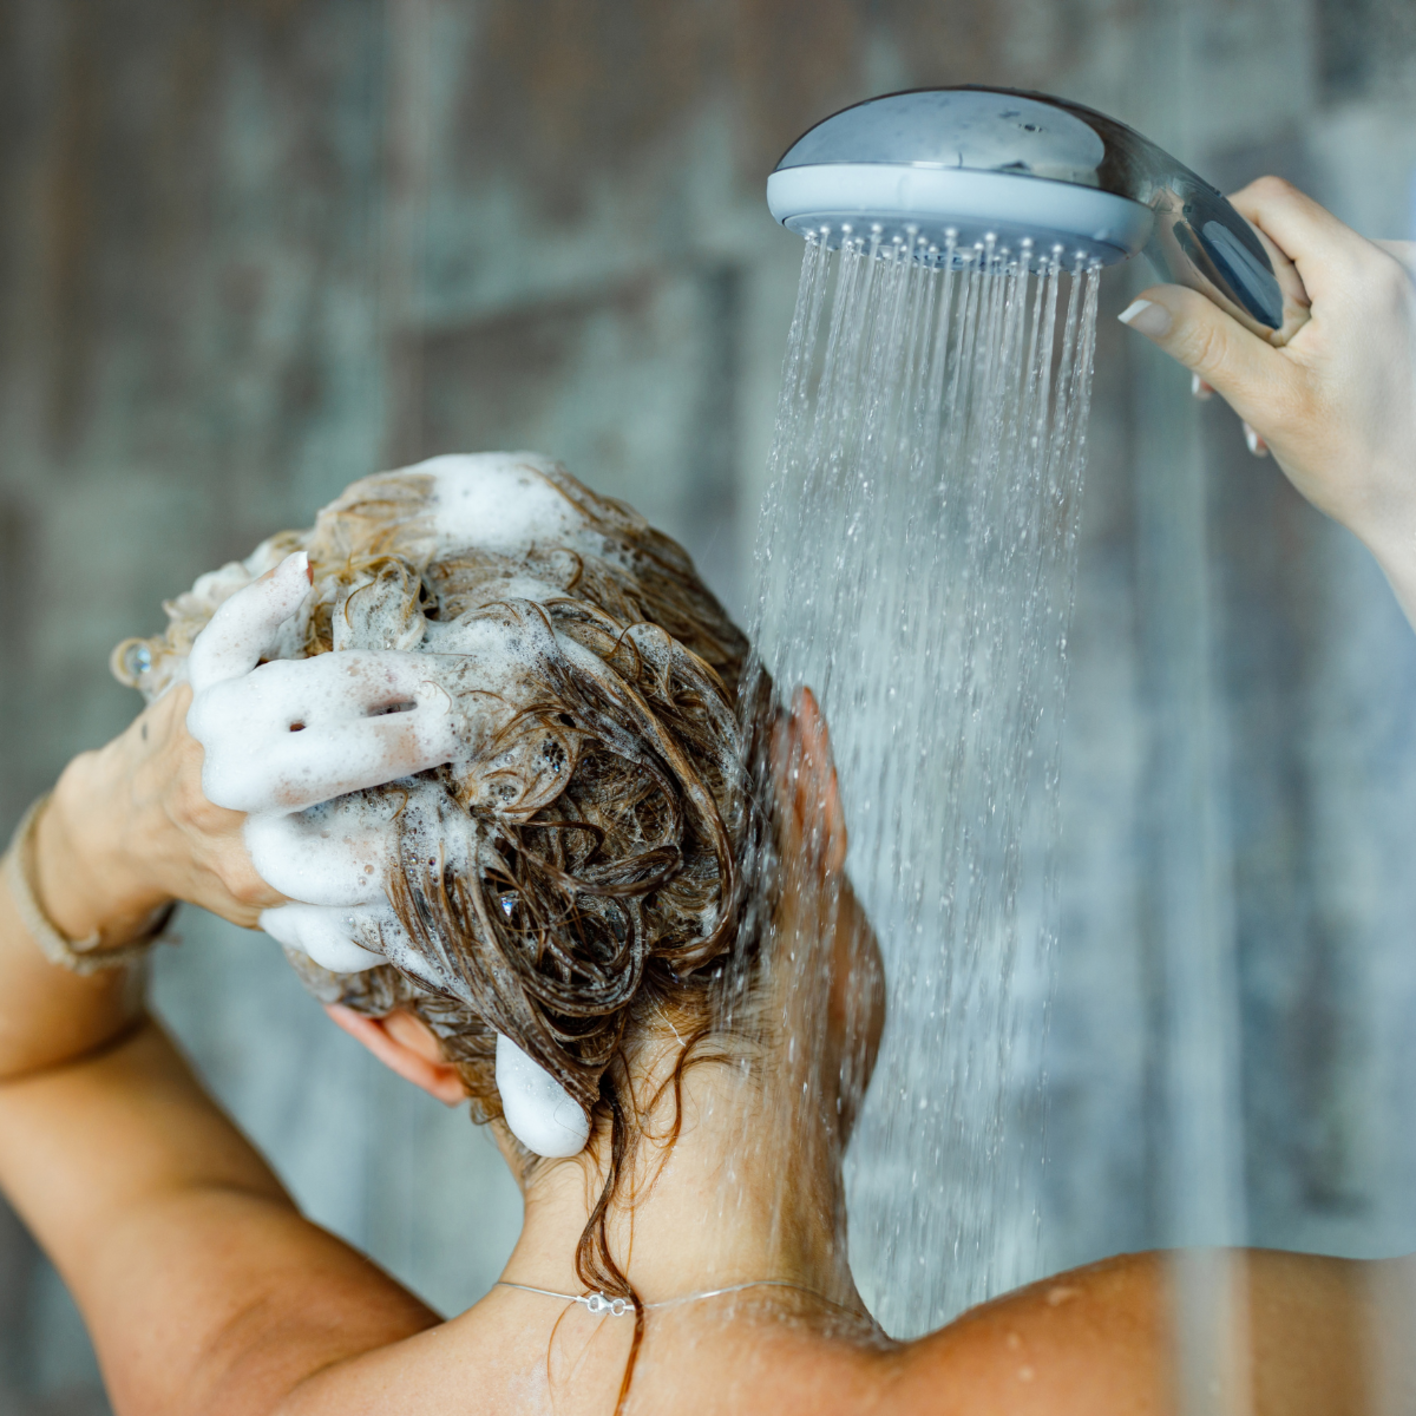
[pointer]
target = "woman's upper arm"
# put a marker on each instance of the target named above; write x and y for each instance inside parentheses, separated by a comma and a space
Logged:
(202, 1285)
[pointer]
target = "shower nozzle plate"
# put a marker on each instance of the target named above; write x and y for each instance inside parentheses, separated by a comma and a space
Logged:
(965, 207)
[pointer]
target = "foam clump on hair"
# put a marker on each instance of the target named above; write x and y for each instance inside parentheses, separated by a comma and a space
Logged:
(498, 502)
(558, 859)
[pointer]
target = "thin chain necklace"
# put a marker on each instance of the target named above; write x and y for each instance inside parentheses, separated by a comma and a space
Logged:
(603, 1305)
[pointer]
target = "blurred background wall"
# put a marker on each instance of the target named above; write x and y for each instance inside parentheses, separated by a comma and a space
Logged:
(251, 250)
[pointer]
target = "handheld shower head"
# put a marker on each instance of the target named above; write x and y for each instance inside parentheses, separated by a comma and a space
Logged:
(958, 166)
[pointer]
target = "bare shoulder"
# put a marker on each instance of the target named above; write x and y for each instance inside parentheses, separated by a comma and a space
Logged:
(1101, 1340)
(1093, 1340)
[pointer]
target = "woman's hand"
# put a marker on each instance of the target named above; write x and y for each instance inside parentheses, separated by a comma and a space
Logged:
(1337, 404)
(126, 830)
(129, 829)
(160, 813)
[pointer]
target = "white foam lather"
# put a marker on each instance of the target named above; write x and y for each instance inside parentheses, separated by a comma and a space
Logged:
(539, 1112)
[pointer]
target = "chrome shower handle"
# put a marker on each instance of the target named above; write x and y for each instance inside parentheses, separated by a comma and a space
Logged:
(1199, 240)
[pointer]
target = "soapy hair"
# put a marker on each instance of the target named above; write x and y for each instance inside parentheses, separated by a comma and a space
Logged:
(613, 812)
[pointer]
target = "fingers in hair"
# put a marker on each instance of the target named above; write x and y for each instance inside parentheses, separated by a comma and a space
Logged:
(244, 626)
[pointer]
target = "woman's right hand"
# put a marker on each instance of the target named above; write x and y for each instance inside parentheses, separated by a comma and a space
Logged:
(160, 812)
(128, 829)
(1336, 405)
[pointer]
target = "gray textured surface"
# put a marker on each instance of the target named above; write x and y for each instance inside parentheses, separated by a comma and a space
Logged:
(254, 250)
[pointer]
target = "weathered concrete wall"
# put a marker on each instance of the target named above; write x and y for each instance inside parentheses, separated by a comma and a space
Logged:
(252, 251)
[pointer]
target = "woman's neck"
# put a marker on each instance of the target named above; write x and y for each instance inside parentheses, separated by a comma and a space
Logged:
(736, 1197)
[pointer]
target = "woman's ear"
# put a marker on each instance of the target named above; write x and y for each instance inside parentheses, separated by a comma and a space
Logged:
(403, 1042)
(818, 900)
(813, 823)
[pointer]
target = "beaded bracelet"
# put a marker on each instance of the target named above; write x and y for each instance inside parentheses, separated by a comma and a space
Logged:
(82, 956)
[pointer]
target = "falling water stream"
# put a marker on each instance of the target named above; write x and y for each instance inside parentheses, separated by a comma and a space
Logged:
(915, 560)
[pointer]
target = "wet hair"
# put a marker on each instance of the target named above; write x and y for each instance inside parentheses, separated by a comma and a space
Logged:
(612, 812)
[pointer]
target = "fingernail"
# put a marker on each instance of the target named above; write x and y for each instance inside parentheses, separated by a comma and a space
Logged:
(1200, 389)
(1147, 317)
(1256, 444)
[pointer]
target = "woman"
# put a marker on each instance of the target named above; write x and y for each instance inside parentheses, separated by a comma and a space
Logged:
(560, 930)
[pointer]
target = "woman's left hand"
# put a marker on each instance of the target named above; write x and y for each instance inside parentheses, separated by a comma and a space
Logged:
(1336, 405)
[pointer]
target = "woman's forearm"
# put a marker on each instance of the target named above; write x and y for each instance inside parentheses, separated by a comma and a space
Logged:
(126, 831)
(65, 875)
(1396, 555)
(48, 1014)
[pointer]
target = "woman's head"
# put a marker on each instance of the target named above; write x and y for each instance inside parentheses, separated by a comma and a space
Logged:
(573, 880)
